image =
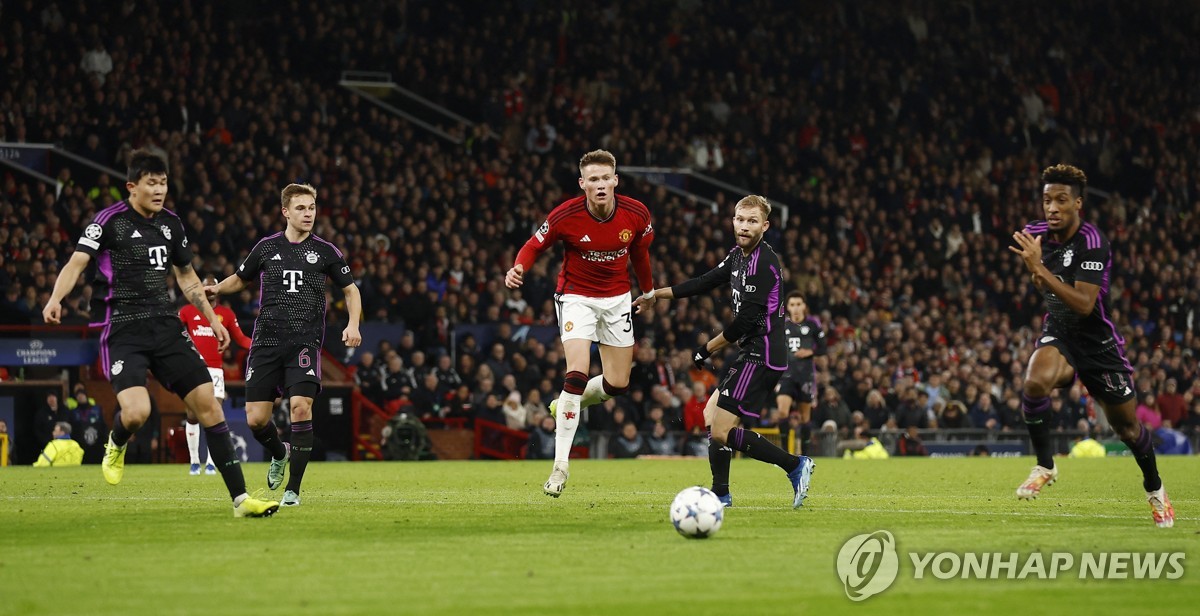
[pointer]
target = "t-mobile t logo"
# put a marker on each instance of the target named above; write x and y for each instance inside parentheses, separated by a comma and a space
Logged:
(293, 279)
(158, 257)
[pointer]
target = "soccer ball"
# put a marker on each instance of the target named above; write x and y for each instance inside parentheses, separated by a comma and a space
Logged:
(697, 512)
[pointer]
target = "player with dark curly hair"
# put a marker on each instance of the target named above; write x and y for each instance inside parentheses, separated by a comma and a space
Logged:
(1078, 336)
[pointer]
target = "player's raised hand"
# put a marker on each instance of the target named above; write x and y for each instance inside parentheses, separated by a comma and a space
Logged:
(515, 276)
(221, 334)
(1030, 249)
(52, 312)
(210, 292)
(350, 336)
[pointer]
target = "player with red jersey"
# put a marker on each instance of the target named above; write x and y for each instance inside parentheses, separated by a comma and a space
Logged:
(602, 233)
(201, 333)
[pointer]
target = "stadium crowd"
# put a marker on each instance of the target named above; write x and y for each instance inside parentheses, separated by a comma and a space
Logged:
(904, 138)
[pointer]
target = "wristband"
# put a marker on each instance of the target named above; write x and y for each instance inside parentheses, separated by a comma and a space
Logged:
(649, 295)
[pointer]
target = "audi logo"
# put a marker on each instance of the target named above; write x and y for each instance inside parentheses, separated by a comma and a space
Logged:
(1092, 266)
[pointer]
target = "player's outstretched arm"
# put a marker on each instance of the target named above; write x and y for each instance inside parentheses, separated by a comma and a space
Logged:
(651, 297)
(68, 277)
(193, 290)
(351, 336)
(232, 284)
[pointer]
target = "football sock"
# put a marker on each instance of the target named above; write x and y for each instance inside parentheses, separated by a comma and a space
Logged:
(1143, 451)
(120, 434)
(598, 390)
(754, 445)
(302, 444)
(719, 457)
(192, 432)
(565, 425)
(269, 437)
(220, 447)
(1037, 412)
(805, 435)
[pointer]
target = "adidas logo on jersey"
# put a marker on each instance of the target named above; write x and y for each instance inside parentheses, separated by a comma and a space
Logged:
(135, 234)
(277, 257)
(196, 318)
(310, 372)
(585, 238)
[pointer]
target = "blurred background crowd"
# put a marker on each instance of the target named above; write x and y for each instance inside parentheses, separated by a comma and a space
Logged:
(904, 138)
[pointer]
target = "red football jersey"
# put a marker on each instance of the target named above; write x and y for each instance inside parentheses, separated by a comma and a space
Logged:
(598, 252)
(202, 334)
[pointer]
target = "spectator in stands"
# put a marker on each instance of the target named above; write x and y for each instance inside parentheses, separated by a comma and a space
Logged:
(911, 410)
(429, 397)
(660, 442)
(97, 62)
(629, 444)
(1171, 404)
(516, 416)
(954, 417)
(634, 406)
(1148, 414)
(497, 361)
(541, 440)
(983, 413)
(49, 414)
(655, 417)
(909, 443)
(447, 375)
(876, 411)
(491, 409)
(418, 368)
(369, 377)
(693, 409)
(831, 407)
(397, 383)
(458, 405)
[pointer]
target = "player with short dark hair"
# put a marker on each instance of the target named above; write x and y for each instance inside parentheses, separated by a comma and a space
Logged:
(1078, 336)
(805, 340)
(754, 274)
(133, 242)
(285, 352)
(602, 233)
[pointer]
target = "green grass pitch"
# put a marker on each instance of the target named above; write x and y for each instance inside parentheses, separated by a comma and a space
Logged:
(480, 538)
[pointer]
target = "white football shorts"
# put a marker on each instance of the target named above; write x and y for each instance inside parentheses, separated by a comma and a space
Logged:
(607, 320)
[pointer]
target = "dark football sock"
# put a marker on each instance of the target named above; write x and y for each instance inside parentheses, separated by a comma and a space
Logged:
(719, 458)
(220, 447)
(302, 443)
(120, 434)
(1037, 414)
(1143, 451)
(805, 436)
(754, 445)
(269, 437)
